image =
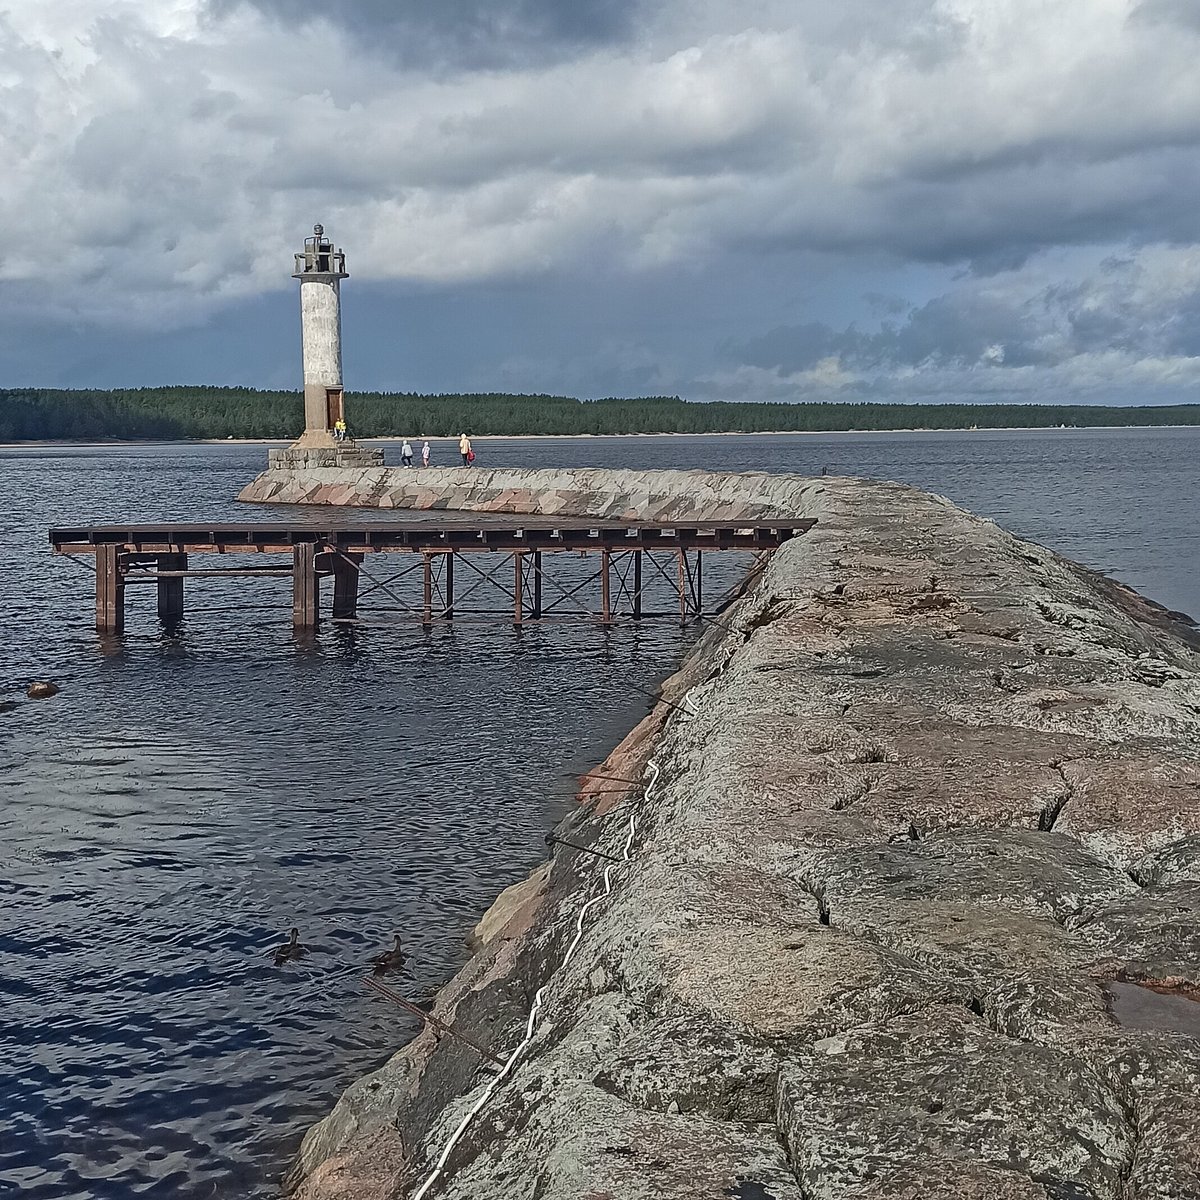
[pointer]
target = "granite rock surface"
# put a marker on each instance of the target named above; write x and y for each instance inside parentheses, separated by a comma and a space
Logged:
(913, 908)
(570, 492)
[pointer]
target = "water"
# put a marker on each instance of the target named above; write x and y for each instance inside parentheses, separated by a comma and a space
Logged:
(187, 798)
(1161, 1008)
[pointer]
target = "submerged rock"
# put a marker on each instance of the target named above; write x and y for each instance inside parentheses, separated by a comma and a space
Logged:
(41, 690)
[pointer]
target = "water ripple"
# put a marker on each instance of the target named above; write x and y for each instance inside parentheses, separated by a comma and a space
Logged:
(189, 796)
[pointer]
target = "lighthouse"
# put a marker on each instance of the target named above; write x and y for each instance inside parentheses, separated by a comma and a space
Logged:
(320, 268)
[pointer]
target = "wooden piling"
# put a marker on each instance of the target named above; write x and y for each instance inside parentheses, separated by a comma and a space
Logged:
(518, 586)
(306, 587)
(345, 586)
(170, 588)
(681, 560)
(427, 589)
(110, 590)
(605, 586)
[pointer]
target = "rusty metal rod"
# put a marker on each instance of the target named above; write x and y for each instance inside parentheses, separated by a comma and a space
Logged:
(657, 697)
(210, 573)
(82, 566)
(551, 840)
(396, 998)
(717, 621)
(600, 775)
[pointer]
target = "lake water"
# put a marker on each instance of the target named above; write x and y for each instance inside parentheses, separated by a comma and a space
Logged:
(188, 797)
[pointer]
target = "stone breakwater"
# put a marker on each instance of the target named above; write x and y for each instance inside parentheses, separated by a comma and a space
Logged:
(586, 492)
(913, 909)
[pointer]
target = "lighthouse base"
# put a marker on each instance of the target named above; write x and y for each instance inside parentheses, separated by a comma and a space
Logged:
(301, 458)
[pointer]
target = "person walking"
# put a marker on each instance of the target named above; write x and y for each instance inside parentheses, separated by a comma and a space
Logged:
(464, 448)
(425, 454)
(406, 454)
(339, 430)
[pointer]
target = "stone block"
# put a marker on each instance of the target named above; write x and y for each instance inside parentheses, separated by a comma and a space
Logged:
(935, 1098)
(1126, 807)
(1151, 935)
(339, 458)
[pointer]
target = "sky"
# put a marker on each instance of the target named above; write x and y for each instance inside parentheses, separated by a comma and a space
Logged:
(911, 200)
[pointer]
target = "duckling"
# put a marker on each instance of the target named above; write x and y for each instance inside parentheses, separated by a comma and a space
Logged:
(390, 960)
(289, 951)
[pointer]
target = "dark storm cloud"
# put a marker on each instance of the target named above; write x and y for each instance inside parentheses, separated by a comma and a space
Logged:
(1127, 307)
(998, 215)
(791, 348)
(1184, 13)
(951, 330)
(462, 33)
(1118, 311)
(958, 329)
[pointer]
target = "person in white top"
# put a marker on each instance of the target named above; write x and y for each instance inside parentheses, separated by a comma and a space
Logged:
(406, 454)
(425, 454)
(464, 448)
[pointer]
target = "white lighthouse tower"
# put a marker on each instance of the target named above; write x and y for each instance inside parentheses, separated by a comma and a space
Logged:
(321, 267)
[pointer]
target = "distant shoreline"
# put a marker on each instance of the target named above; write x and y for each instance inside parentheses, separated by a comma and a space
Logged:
(540, 437)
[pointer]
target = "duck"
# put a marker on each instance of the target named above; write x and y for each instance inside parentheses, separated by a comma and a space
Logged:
(290, 951)
(390, 960)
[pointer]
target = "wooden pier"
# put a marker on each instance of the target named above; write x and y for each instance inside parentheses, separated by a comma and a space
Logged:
(625, 556)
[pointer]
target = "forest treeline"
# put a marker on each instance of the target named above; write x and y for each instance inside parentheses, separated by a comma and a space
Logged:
(31, 414)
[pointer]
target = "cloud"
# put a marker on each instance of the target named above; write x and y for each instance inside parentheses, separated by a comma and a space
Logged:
(164, 156)
(1181, 13)
(457, 33)
(1133, 322)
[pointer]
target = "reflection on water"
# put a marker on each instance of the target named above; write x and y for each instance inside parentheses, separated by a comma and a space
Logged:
(175, 811)
(1160, 1008)
(188, 798)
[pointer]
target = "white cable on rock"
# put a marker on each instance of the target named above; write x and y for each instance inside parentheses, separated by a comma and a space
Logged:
(538, 999)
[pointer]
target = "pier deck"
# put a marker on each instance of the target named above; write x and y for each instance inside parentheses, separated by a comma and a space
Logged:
(159, 553)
